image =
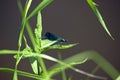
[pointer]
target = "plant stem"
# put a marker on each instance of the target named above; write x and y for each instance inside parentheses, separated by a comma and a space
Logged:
(42, 64)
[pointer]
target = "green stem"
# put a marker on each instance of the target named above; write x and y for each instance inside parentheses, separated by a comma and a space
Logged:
(64, 76)
(93, 71)
(31, 35)
(15, 77)
(42, 64)
(21, 73)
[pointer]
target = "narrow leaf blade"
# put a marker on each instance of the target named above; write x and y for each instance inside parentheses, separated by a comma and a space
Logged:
(24, 15)
(99, 16)
(59, 46)
(40, 6)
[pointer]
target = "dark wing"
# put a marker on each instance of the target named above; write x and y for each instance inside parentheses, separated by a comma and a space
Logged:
(53, 37)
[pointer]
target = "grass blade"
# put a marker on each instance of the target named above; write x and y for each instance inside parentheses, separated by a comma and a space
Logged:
(63, 73)
(31, 35)
(33, 61)
(98, 15)
(99, 60)
(24, 15)
(42, 5)
(28, 27)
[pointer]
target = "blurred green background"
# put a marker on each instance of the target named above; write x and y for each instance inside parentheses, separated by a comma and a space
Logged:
(71, 19)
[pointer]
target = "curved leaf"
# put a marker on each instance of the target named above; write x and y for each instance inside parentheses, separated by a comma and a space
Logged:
(98, 59)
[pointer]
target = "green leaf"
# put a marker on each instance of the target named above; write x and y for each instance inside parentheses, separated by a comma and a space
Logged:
(34, 65)
(98, 59)
(74, 60)
(38, 30)
(40, 6)
(62, 65)
(24, 14)
(93, 6)
(20, 7)
(22, 73)
(67, 63)
(31, 35)
(33, 60)
(32, 38)
(28, 27)
(118, 78)
(46, 43)
(27, 6)
(59, 46)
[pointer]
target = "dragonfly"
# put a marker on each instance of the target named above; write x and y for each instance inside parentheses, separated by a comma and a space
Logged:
(53, 37)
